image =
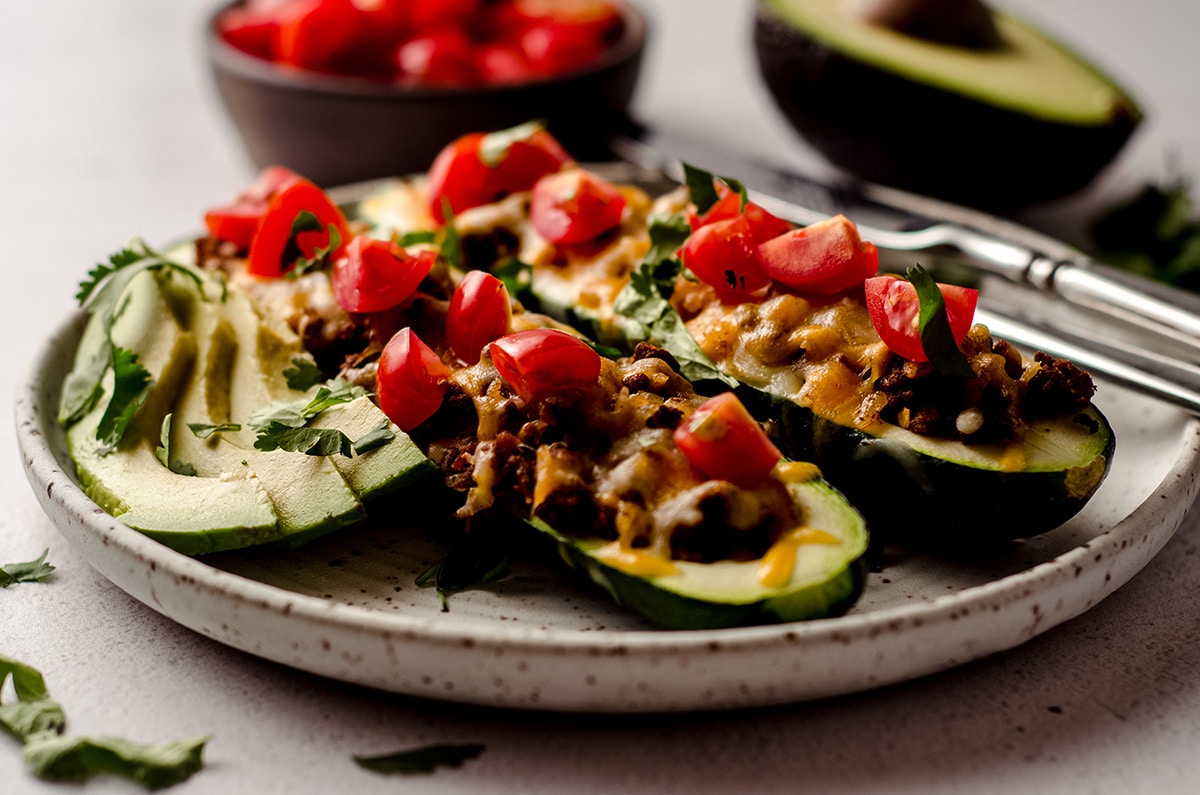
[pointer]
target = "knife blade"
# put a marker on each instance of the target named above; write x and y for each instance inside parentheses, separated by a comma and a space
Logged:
(903, 222)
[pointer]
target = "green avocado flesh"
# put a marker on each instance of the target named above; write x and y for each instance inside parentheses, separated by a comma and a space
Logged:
(826, 578)
(212, 360)
(1025, 121)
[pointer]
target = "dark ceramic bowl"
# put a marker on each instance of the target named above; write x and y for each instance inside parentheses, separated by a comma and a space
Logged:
(336, 130)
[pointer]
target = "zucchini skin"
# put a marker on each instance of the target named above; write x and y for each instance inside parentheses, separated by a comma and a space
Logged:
(920, 500)
(826, 594)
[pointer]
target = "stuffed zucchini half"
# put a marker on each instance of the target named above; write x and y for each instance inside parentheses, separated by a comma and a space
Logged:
(937, 431)
(677, 504)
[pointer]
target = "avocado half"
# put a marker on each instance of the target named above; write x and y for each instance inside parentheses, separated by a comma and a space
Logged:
(1024, 121)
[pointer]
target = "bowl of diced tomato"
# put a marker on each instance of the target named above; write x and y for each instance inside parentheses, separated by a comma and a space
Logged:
(350, 90)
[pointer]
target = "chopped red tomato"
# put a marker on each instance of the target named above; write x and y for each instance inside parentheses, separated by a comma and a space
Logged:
(824, 258)
(237, 221)
(479, 168)
(427, 14)
(728, 205)
(480, 311)
(313, 34)
(410, 380)
(723, 441)
(502, 63)
(251, 31)
(373, 275)
(274, 249)
(553, 48)
(574, 205)
(895, 312)
(540, 362)
(439, 57)
(722, 253)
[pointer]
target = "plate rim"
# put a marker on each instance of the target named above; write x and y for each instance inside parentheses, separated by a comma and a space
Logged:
(64, 501)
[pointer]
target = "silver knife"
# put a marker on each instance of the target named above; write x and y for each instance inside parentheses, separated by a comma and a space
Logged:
(900, 221)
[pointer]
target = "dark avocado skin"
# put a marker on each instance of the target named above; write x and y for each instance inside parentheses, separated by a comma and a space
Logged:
(885, 128)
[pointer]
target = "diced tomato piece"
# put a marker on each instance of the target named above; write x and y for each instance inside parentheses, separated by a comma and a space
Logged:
(313, 34)
(271, 241)
(574, 205)
(249, 31)
(541, 362)
(722, 253)
(410, 380)
(500, 63)
(729, 205)
(438, 57)
(825, 258)
(723, 441)
(373, 275)
(480, 311)
(237, 221)
(428, 14)
(895, 312)
(479, 168)
(552, 48)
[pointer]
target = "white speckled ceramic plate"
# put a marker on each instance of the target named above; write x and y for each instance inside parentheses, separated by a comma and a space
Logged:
(347, 607)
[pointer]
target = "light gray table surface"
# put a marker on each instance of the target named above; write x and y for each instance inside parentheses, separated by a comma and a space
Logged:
(109, 127)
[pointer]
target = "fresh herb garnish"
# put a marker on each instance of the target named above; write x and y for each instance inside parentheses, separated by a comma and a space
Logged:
(131, 385)
(283, 425)
(421, 760)
(649, 315)
(303, 375)
(450, 248)
(1156, 234)
(38, 722)
(306, 221)
(464, 569)
(204, 430)
(607, 351)
(518, 279)
(163, 451)
(936, 337)
(702, 189)
(29, 571)
(377, 437)
(311, 441)
(100, 294)
(495, 146)
(417, 236)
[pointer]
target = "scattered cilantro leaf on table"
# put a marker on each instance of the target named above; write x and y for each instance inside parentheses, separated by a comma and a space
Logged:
(30, 571)
(420, 761)
(38, 722)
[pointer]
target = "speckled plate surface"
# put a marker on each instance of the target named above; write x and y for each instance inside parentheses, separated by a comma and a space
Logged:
(347, 607)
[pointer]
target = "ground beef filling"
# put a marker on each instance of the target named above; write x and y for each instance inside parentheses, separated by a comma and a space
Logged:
(600, 462)
(828, 356)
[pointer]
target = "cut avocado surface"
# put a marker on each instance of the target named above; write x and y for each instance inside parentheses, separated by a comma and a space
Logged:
(212, 360)
(1025, 121)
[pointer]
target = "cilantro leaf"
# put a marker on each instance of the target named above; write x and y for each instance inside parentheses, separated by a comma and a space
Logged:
(936, 337)
(450, 248)
(131, 385)
(1156, 234)
(702, 188)
(421, 760)
(204, 430)
(375, 438)
(311, 441)
(649, 315)
(163, 451)
(101, 296)
(414, 237)
(297, 413)
(303, 375)
(296, 263)
(495, 146)
(55, 758)
(30, 571)
(518, 279)
(464, 569)
(38, 722)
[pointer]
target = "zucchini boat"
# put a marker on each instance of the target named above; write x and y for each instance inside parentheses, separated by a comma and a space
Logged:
(679, 506)
(965, 444)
